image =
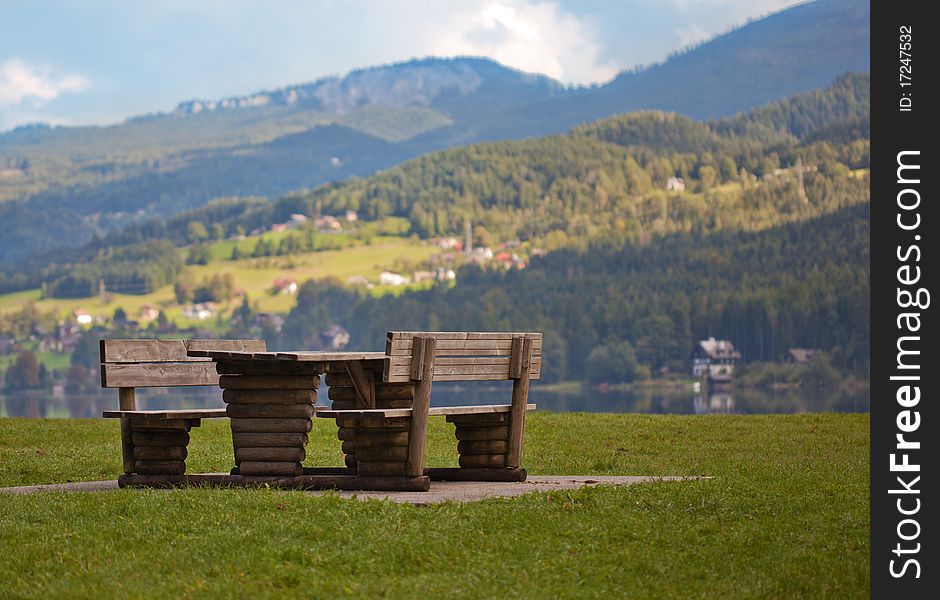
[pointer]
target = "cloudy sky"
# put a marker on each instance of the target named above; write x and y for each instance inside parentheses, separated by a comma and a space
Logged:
(100, 61)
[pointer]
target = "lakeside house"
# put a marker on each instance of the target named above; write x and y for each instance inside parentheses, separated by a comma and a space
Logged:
(715, 359)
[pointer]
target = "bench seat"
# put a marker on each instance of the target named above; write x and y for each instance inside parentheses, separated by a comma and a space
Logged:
(392, 413)
(169, 415)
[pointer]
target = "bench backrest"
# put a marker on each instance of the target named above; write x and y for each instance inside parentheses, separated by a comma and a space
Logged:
(462, 355)
(164, 363)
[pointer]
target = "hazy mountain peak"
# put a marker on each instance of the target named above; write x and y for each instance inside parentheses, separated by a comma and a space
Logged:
(416, 82)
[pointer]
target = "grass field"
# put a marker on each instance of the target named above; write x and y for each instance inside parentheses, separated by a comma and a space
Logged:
(254, 276)
(785, 516)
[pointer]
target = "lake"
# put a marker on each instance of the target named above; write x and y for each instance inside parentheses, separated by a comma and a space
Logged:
(60, 404)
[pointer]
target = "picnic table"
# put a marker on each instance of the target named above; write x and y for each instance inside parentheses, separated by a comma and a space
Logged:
(379, 400)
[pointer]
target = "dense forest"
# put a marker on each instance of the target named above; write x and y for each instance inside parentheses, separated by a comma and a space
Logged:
(803, 284)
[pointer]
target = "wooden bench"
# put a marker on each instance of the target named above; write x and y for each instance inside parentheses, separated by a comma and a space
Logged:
(154, 442)
(383, 424)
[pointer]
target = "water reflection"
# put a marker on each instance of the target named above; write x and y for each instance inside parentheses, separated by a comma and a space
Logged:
(65, 404)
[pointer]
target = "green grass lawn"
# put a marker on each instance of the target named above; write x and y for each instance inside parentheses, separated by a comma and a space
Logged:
(785, 515)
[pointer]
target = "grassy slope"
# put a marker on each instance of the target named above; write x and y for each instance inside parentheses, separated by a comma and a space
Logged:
(254, 276)
(785, 516)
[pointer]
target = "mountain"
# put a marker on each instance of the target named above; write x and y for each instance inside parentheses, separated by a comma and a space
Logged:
(81, 181)
(627, 178)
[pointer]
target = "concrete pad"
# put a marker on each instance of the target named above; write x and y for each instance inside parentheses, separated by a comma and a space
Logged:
(441, 491)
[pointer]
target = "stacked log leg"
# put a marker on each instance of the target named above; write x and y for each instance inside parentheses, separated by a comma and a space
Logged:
(159, 449)
(342, 396)
(482, 440)
(381, 445)
(270, 408)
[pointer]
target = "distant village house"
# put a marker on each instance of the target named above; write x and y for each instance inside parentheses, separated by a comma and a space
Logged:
(389, 278)
(285, 285)
(675, 184)
(715, 359)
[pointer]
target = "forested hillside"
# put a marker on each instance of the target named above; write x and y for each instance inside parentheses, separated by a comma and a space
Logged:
(795, 159)
(61, 186)
(803, 284)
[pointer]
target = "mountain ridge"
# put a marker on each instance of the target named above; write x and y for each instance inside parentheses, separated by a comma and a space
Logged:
(159, 165)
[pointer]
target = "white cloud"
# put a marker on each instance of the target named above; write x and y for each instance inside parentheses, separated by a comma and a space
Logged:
(21, 81)
(528, 35)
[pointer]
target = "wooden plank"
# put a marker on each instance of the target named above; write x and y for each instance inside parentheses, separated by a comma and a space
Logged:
(482, 461)
(269, 396)
(167, 415)
(270, 468)
(363, 382)
(379, 404)
(382, 453)
(144, 438)
(461, 348)
(271, 425)
(160, 453)
(380, 438)
(270, 454)
(159, 425)
(331, 356)
(158, 374)
(374, 423)
(394, 336)
(400, 378)
(261, 382)
(424, 349)
(373, 413)
(150, 350)
(255, 440)
(391, 413)
(479, 419)
(520, 395)
(475, 410)
(256, 367)
(350, 461)
(482, 447)
(482, 433)
(464, 474)
(322, 357)
(348, 447)
(401, 362)
(397, 342)
(270, 411)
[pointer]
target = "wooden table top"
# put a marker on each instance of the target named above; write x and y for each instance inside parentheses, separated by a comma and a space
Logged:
(288, 356)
